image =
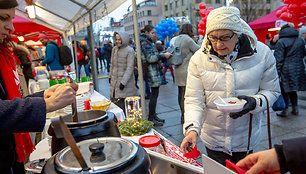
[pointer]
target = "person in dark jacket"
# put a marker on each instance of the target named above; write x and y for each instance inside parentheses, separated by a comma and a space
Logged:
(102, 56)
(290, 156)
(23, 54)
(289, 54)
(108, 53)
(152, 59)
(273, 41)
(82, 57)
(51, 54)
(21, 115)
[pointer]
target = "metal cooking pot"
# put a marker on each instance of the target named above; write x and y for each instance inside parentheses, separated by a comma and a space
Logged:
(102, 155)
(91, 124)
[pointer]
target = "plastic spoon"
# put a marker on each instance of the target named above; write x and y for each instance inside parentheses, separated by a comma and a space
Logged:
(222, 100)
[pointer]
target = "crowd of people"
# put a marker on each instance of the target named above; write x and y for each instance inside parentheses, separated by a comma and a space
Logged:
(230, 62)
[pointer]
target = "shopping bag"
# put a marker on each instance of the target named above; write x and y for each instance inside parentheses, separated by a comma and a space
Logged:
(280, 104)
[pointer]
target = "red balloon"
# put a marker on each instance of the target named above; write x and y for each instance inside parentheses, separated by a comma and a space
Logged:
(278, 13)
(202, 12)
(286, 1)
(202, 23)
(292, 7)
(210, 8)
(303, 6)
(199, 26)
(201, 32)
(202, 5)
(286, 16)
(285, 8)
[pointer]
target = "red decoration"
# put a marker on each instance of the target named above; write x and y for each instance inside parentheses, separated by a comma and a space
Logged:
(293, 12)
(202, 5)
(204, 13)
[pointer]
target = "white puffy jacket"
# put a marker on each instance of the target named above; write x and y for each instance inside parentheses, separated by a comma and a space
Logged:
(210, 77)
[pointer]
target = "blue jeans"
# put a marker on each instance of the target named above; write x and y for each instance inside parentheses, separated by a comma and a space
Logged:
(86, 70)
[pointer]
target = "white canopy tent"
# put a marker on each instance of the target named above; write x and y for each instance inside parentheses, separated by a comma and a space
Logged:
(62, 14)
(70, 16)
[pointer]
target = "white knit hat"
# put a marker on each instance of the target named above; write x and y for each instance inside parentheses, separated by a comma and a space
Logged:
(224, 18)
(228, 18)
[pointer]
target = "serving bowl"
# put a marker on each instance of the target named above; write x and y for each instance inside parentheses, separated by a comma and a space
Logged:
(100, 105)
(231, 104)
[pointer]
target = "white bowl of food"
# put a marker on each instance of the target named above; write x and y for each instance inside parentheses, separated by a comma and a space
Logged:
(232, 104)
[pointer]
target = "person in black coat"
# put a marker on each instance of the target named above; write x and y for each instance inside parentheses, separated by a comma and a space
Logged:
(24, 56)
(290, 156)
(21, 115)
(289, 54)
(108, 54)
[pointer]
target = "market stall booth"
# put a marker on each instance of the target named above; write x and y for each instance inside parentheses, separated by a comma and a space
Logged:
(28, 31)
(68, 18)
(262, 25)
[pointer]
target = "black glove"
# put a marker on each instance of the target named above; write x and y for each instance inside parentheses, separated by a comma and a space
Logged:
(249, 106)
(109, 80)
(121, 87)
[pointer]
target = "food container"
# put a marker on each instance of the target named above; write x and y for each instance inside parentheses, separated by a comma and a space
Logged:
(101, 105)
(133, 107)
(151, 142)
(43, 84)
(232, 104)
(102, 155)
(91, 124)
(83, 88)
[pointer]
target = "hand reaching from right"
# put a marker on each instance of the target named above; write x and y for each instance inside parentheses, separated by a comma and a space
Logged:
(264, 161)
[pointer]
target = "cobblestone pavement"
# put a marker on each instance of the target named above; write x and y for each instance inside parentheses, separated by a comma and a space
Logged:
(168, 109)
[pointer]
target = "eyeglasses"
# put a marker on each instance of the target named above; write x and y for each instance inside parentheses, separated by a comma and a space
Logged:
(222, 38)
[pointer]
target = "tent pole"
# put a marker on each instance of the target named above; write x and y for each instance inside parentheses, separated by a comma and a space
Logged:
(93, 55)
(75, 54)
(139, 64)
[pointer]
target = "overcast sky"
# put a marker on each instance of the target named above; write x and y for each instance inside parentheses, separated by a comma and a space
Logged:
(117, 14)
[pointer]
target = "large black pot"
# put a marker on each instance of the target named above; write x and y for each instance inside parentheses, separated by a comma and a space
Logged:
(110, 155)
(91, 124)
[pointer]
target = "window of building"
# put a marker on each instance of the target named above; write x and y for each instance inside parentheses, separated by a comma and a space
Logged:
(149, 22)
(183, 2)
(177, 15)
(142, 13)
(166, 7)
(268, 1)
(217, 1)
(149, 13)
(183, 13)
(199, 1)
(171, 5)
(268, 11)
(208, 1)
(176, 4)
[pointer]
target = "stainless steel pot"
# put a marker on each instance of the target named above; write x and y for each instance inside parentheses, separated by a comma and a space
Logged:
(91, 124)
(102, 155)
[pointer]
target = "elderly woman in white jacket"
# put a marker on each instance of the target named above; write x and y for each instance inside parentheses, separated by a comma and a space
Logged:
(230, 63)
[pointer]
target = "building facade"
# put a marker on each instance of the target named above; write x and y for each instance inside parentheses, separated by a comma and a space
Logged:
(250, 9)
(148, 13)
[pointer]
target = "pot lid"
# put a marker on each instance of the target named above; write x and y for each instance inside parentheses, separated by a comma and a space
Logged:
(149, 141)
(101, 155)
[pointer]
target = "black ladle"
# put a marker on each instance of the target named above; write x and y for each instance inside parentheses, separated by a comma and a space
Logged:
(75, 117)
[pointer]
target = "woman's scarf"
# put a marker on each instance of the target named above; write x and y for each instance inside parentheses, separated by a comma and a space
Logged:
(233, 55)
(10, 78)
